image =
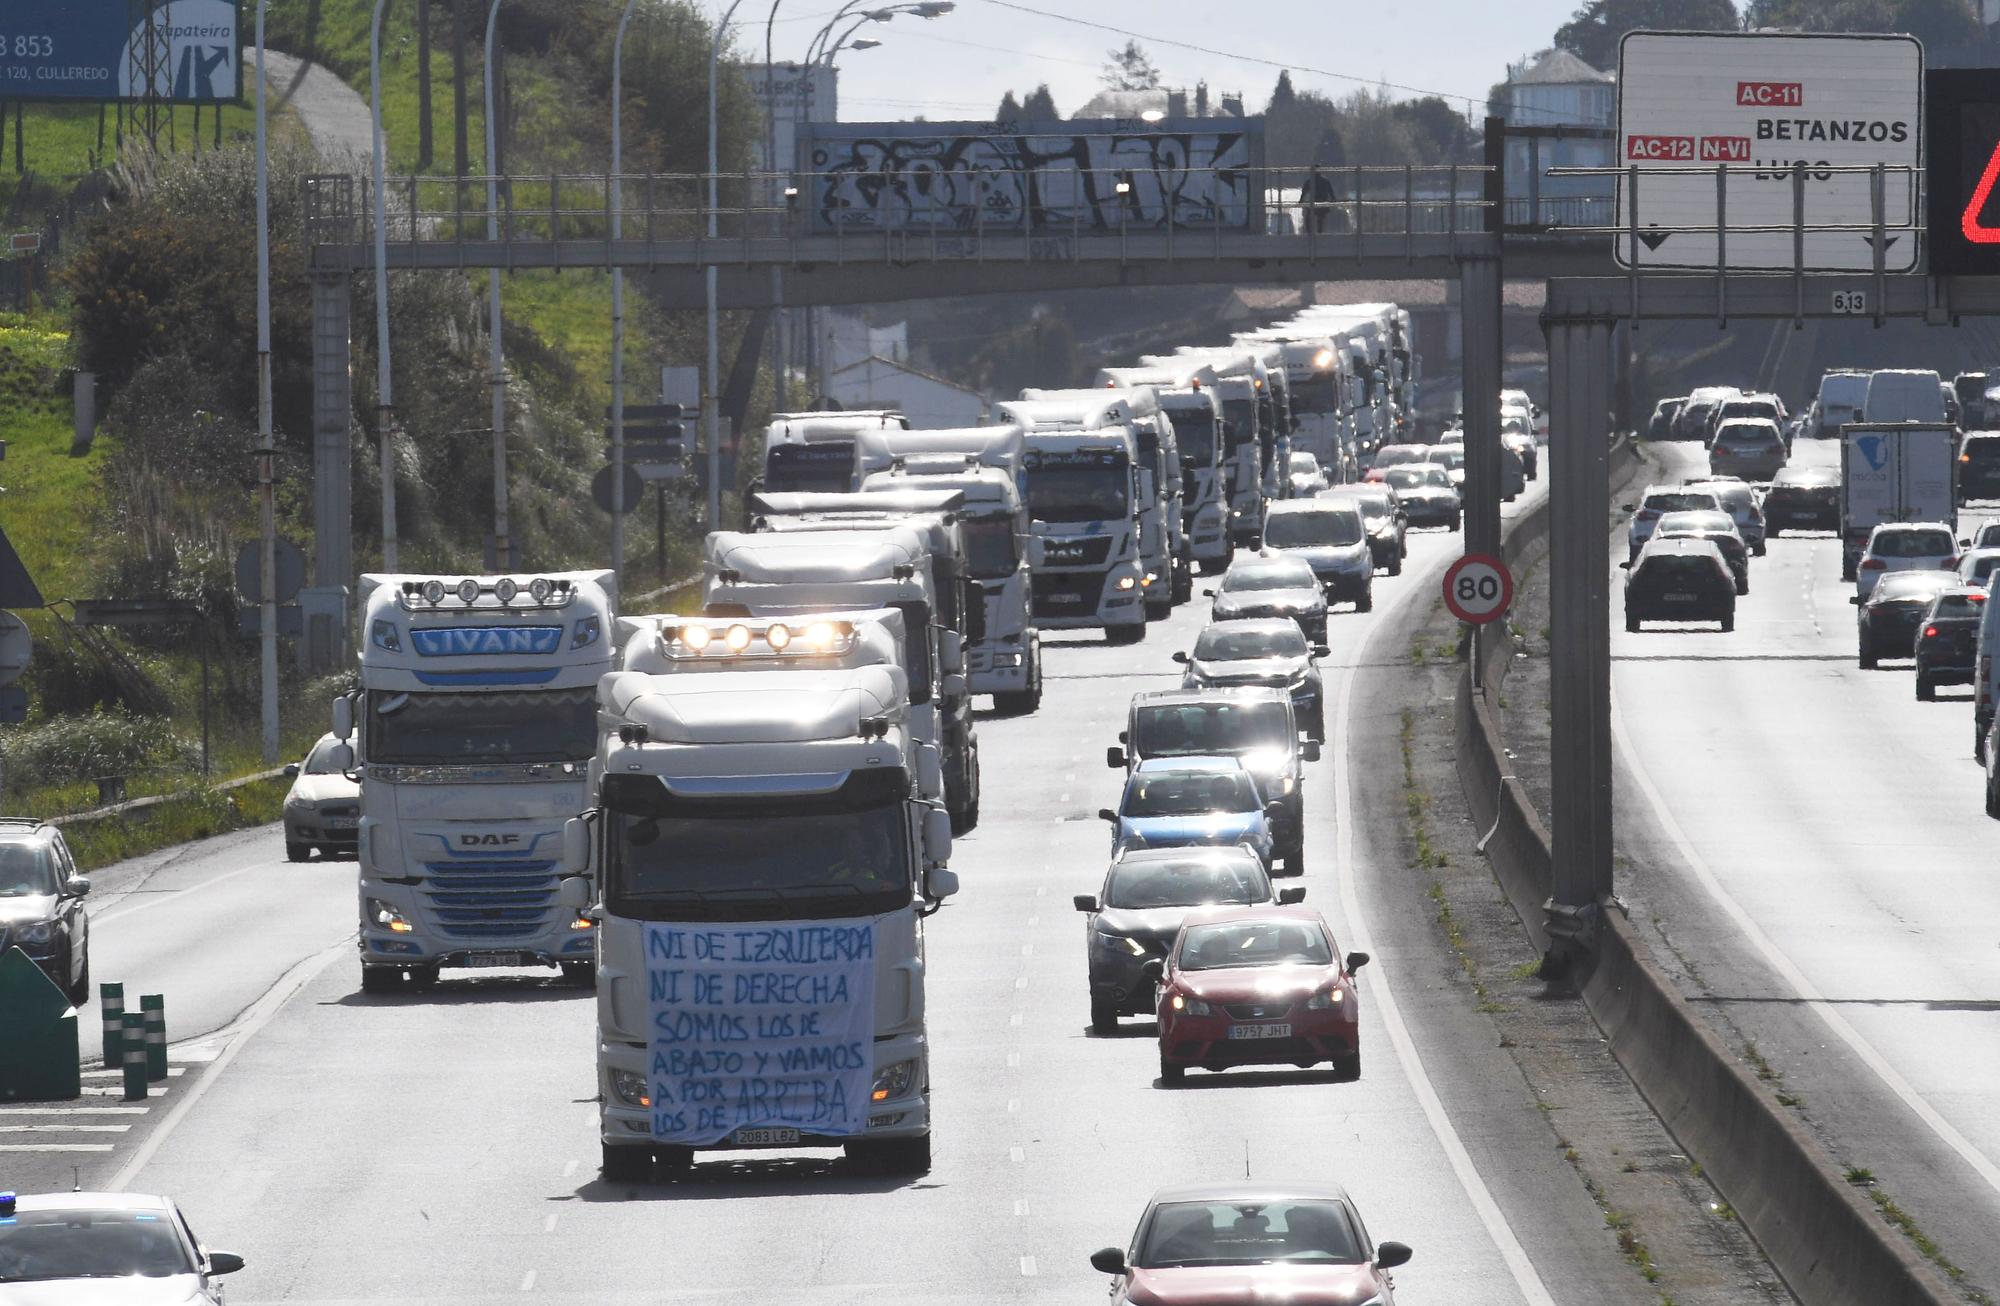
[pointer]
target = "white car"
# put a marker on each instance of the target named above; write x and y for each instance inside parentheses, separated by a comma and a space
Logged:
(1657, 502)
(105, 1247)
(1306, 476)
(1904, 546)
(1976, 566)
(323, 809)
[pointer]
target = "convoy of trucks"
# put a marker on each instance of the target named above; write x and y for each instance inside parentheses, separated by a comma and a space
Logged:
(735, 821)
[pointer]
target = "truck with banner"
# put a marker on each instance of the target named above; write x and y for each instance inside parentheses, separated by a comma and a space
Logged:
(472, 730)
(764, 862)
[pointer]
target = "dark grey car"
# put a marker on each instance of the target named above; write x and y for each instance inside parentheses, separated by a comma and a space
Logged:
(41, 904)
(1266, 651)
(1147, 893)
(1271, 586)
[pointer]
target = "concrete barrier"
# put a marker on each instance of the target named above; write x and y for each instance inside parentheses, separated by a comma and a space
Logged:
(1821, 1234)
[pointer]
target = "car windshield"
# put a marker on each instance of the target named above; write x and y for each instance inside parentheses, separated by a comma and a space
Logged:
(1449, 456)
(1747, 437)
(1287, 942)
(1248, 1233)
(1078, 487)
(1394, 454)
(1276, 575)
(1750, 408)
(1912, 544)
(1981, 568)
(1980, 451)
(90, 1244)
(824, 468)
(27, 870)
(989, 547)
(1318, 526)
(1736, 500)
(480, 729)
(1804, 478)
(1223, 644)
(1680, 501)
(1676, 569)
(1304, 464)
(320, 760)
(1411, 478)
(1195, 882)
(1204, 729)
(1194, 430)
(1910, 585)
(1958, 607)
(1189, 793)
(1696, 523)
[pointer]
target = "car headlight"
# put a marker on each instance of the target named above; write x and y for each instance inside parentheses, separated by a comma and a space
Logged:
(296, 804)
(380, 915)
(1323, 1001)
(631, 1088)
(1190, 1006)
(1121, 943)
(39, 932)
(893, 1081)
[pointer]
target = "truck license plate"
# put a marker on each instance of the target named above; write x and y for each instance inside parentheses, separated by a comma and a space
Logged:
(481, 960)
(763, 1137)
(1260, 1031)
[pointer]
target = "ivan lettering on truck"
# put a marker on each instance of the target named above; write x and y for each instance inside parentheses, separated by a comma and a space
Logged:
(472, 730)
(765, 863)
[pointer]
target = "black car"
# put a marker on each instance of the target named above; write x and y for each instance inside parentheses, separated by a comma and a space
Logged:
(41, 904)
(1426, 493)
(1979, 466)
(1661, 425)
(1148, 892)
(1679, 580)
(1948, 639)
(1719, 527)
(1802, 499)
(1887, 625)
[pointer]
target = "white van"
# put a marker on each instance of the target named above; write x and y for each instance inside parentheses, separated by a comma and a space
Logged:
(1901, 395)
(1841, 396)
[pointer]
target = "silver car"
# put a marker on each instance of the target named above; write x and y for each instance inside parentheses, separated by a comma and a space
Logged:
(1266, 651)
(1272, 586)
(323, 809)
(1332, 537)
(106, 1247)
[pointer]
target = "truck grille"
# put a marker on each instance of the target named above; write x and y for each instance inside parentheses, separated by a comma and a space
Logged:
(1076, 553)
(490, 899)
(1066, 596)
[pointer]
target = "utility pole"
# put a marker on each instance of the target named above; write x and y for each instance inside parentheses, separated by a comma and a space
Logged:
(267, 453)
(385, 399)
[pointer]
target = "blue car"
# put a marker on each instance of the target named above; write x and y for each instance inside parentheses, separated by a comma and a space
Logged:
(1179, 802)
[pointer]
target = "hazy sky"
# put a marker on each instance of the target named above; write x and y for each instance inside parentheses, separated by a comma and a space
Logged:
(957, 66)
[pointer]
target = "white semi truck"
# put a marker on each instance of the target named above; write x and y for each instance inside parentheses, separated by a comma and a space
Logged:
(1085, 499)
(795, 572)
(472, 731)
(807, 453)
(983, 465)
(1317, 378)
(1187, 395)
(1244, 438)
(765, 859)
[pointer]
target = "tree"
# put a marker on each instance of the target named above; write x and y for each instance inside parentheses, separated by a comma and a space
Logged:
(460, 155)
(1040, 106)
(1593, 32)
(1009, 110)
(423, 84)
(1283, 97)
(1939, 24)
(1130, 69)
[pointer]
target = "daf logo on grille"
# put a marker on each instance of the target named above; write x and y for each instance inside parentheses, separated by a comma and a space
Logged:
(488, 840)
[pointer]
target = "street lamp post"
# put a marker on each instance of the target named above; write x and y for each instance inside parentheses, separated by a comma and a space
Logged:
(495, 354)
(712, 392)
(618, 504)
(385, 399)
(780, 390)
(267, 490)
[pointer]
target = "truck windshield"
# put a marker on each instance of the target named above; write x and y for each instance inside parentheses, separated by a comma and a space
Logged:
(761, 859)
(482, 728)
(989, 547)
(1319, 395)
(810, 468)
(1061, 491)
(1194, 428)
(1239, 421)
(1211, 729)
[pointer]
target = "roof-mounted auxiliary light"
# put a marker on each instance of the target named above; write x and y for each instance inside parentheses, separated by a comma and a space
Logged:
(468, 591)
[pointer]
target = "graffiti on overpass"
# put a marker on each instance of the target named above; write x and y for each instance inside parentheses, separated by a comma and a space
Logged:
(1100, 182)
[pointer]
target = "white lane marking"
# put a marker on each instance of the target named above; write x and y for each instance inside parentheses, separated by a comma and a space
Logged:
(1015, 1020)
(528, 1281)
(1027, 950)
(1020, 1206)
(63, 1129)
(1013, 1106)
(55, 1147)
(1028, 1267)
(569, 1170)
(114, 1090)
(259, 1015)
(1016, 1155)
(1490, 1215)
(549, 1225)
(172, 1072)
(73, 1110)
(1792, 975)
(1021, 983)
(120, 912)
(1013, 1060)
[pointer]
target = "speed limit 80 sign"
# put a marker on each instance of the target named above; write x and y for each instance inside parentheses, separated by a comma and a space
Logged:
(1478, 588)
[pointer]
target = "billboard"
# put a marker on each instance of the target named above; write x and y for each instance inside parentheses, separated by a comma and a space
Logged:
(1087, 176)
(1758, 104)
(185, 51)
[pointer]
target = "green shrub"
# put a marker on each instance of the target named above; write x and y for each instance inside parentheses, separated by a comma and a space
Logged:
(97, 746)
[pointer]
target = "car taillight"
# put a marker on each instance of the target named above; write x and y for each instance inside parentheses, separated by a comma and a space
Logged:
(1873, 564)
(1930, 632)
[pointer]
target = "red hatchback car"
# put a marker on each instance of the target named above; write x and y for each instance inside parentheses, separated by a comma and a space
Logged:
(1301, 1244)
(1258, 986)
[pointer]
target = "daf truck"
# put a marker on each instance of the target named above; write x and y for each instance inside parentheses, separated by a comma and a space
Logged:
(1085, 501)
(765, 859)
(472, 731)
(794, 572)
(1186, 395)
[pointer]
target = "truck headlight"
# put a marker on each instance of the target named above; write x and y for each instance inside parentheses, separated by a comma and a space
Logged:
(1006, 659)
(380, 915)
(1128, 582)
(893, 1081)
(630, 1088)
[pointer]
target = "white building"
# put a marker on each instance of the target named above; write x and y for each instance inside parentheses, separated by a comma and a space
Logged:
(1554, 90)
(928, 401)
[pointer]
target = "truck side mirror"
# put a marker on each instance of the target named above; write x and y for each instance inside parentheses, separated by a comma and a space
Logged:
(576, 847)
(937, 835)
(940, 882)
(930, 771)
(1031, 552)
(953, 686)
(1855, 599)
(951, 652)
(343, 717)
(573, 891)
(1296, 894)
(1114, 757)
(1085, 902)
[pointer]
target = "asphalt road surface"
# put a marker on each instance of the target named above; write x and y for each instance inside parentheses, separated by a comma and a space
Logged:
(442, 1146)
(1811, 841)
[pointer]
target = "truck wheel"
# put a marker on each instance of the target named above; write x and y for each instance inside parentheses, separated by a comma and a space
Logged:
(1171, 1074)
(423, 977)
(381, 979)
(892, 1156)
(583, 974)
(626, 1165)
(1347, 1069)
(297, 852)
(1456, 518)
(1103, 1016)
